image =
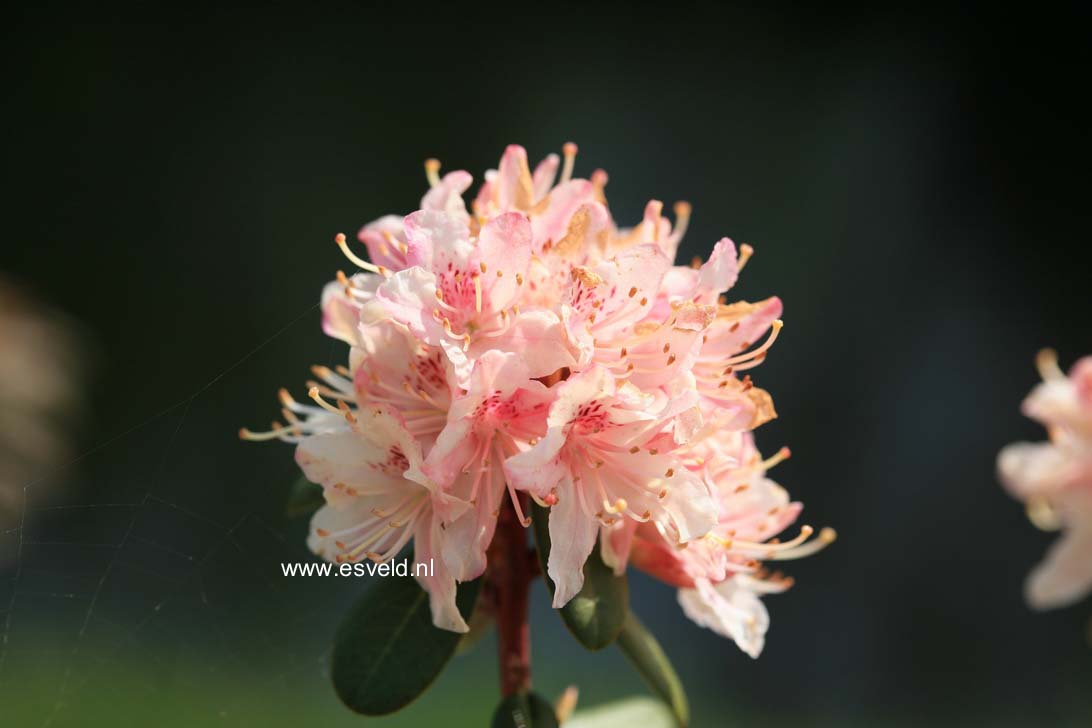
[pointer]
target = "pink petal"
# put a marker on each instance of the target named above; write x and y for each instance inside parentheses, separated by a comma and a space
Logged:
(438, 241)
(384, 238)
(538, 337)
(719, 272)
(407, 297)
(561, 220)
(513, 187)
(448, 195)
(544, 175)
(504, 245)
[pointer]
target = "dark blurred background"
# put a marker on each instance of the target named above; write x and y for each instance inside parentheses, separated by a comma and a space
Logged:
(915, 187)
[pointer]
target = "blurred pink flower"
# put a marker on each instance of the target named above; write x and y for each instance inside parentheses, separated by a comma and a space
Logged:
(1054, 479)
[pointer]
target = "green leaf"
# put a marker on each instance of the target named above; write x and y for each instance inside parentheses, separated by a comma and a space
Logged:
(304, 497)
(524, 710)
(596, 615)
(645, 653)
(386, 652)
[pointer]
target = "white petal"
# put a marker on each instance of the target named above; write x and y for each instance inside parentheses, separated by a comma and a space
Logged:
(572, 538)
(730, 609)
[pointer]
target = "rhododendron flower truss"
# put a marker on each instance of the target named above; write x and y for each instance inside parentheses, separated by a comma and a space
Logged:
(528, 358)
(1054, 479)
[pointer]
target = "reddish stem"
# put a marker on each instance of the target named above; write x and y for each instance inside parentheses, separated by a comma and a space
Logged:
(510, 579)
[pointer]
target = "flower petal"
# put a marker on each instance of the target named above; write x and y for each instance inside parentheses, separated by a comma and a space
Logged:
(513, 188)
(730, 609)
(544, 175)
(385, 240)
(448, 195)
(539, 338)
(1035, 469)
(437, 580)
(408, 297)
(719, 272)
(504, 245)
(438, 241)
(1065, 575)
(572, 537)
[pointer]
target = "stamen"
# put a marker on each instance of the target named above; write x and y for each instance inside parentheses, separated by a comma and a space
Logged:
(775, 327)
(618, 506)
(448, 330)
(324, 373)
(569, 152)
(826, 537)
(745, 253)
(779, 457)
(274, 434)
(432, 171)
(354, 258)
(682, 218)
(285, 397)
(1046, 361)
(566, 704)
(599, 180)
(525, 520)
(1042, 515)
(344, 281)
(313, 393)
(478, 292)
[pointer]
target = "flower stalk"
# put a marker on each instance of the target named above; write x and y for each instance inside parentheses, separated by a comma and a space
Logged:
(509, 578)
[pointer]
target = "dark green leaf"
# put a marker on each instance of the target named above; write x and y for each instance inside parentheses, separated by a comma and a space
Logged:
(387, 652)
(524, 710)
(304, 497)
(645, 653)
(595, 616)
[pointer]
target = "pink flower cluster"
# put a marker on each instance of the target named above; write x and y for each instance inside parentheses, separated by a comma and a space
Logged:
(1054, 479)
(530, 346)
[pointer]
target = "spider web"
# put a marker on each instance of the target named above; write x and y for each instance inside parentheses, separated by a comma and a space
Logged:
(136, 567)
